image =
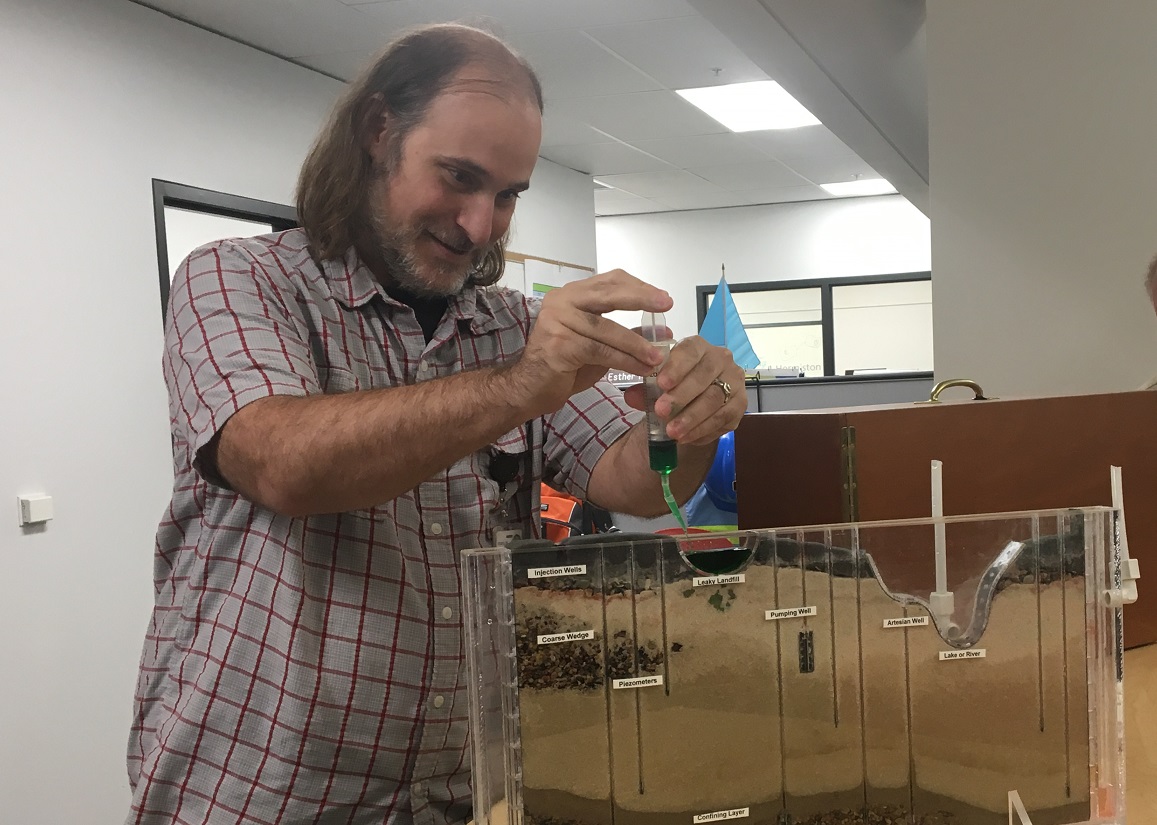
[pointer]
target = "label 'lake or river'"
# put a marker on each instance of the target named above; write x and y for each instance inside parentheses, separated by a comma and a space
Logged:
(952, 655)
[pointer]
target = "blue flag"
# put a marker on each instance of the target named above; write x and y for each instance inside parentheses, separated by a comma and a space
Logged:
(723, 328)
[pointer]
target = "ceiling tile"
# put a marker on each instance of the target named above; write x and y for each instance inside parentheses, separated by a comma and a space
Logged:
(806, 141)
(559, 129)
(783, 194)
(396, 15)
(603, 158)
(740, 176)
(715, 200)
(345, 65)
(601, 62)
(640, 116)
(570, 64)
(702, 150)
(610, 202)
(680, 53)
(656, 184)
(511, 16)
(823, 169)
(290, 28)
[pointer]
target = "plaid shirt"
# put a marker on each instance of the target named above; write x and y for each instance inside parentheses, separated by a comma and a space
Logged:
(311, 670)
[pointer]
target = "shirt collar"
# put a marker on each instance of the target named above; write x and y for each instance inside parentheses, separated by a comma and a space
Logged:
(354, 286)
(352, 282)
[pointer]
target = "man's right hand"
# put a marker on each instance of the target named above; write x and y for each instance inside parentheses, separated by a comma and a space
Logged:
(572, 346)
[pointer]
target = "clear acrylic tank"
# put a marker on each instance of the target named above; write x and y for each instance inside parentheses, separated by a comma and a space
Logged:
(612, 683)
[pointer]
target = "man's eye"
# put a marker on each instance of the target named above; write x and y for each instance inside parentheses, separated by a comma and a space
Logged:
(509, 196)
(459, 177)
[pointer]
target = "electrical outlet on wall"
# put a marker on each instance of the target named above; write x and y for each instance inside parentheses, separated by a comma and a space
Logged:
(34, 509)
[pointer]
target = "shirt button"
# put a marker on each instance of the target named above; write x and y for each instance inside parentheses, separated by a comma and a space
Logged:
(436, 529)
(447, 612)
(439, 701)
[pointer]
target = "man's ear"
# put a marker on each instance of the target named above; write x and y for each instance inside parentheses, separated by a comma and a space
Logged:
(375, 128)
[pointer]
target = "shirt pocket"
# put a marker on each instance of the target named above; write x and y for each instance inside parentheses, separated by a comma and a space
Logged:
(513, 446)
(507, 457)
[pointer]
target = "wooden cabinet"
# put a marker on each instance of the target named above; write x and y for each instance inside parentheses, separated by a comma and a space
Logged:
(872, 464)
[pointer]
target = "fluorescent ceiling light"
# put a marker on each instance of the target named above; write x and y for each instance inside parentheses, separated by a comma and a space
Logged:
(748, 107)
(852, 188)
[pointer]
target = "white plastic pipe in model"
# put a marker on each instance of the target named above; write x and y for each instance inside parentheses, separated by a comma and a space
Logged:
(1130, 570)
(942, 601)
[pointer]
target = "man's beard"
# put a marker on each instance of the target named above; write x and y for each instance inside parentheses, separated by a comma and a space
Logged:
(398, 247)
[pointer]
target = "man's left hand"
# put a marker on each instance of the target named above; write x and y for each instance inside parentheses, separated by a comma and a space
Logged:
(703, 392)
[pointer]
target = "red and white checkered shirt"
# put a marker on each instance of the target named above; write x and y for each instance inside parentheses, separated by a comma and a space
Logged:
(311, 670)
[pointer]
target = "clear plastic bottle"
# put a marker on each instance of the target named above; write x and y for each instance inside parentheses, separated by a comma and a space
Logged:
(662, 450)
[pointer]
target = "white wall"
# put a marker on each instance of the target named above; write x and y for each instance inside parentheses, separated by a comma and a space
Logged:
(555, 216)
(1043, 174)
(818, 239)
(101, 96)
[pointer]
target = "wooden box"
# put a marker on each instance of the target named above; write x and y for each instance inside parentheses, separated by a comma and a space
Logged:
(873, 463)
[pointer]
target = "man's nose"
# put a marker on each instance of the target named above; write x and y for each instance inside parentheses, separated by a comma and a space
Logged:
(477, 219)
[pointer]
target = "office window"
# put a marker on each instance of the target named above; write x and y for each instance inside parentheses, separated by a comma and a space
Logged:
(187, 217)
(836, 326)
(882, 327)
(785, 328)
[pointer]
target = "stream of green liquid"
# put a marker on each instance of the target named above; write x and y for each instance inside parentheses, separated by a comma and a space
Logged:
(664, 457)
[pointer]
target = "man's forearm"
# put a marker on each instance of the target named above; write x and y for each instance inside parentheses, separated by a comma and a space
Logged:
(332, 453)
(623, 481)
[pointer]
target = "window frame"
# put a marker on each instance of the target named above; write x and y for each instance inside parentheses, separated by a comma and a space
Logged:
(210, 202)
(827, 315)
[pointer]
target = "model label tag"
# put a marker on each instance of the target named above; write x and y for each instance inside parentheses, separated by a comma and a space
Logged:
(547, 572)
(949, 655)
(637, 682)
(789, 613)
(704, 581)
(734, 813)
(573, 636)
(911, 621)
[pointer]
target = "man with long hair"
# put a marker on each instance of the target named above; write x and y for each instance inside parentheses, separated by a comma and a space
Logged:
(352, 403)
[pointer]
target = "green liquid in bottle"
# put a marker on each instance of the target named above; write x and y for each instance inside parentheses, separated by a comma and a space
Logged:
(664, 455)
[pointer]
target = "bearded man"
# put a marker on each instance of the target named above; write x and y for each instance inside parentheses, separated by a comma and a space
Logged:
(352, 403)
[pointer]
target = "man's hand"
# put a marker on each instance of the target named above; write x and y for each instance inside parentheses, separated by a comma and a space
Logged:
(696, 409)
(572, 346)
(694, 405)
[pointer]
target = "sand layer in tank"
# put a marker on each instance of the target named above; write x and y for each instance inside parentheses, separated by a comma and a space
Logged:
(879, 729)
